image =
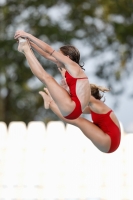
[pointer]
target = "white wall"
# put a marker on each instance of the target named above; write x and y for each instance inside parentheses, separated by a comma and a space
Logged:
(58, 162)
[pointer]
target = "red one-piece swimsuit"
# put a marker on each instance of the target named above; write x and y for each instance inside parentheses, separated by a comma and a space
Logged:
(71, 82)
(104, 122)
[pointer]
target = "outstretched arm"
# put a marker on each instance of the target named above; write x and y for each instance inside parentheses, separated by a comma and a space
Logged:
(45, 47)
(43, 53)
(72, 67)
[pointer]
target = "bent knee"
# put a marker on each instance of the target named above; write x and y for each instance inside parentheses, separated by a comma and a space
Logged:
(106, 144)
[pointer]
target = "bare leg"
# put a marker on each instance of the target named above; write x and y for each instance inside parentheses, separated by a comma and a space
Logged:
(100, 139)
(57, 92)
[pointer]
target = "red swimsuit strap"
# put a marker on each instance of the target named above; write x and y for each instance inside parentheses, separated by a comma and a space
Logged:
(69, 75)
(109, 112)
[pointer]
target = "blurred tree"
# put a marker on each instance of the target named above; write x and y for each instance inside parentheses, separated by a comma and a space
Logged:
(103, 28)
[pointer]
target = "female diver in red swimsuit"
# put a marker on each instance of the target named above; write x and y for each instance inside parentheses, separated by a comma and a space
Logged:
(104, 131)
(68, 58)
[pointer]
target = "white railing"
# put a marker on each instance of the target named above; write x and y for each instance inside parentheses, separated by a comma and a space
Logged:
(58, 162)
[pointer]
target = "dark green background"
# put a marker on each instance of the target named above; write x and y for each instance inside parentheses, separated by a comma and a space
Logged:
(100, 25)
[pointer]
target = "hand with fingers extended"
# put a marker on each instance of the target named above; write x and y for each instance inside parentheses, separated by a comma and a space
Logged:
(63, 81)
(21, 33)
(62, 71)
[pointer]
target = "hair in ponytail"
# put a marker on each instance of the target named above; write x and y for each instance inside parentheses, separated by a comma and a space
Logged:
(96, 91)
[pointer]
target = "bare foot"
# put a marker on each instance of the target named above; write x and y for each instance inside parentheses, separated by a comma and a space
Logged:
(23, 45)
(47, 92)
(46, 97)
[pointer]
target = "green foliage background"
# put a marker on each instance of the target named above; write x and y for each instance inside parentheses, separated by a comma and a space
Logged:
(100, 26)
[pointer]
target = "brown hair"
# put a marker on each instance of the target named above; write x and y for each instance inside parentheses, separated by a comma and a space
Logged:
(72, 52)
(96, 91)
